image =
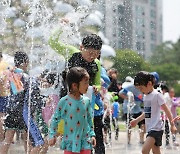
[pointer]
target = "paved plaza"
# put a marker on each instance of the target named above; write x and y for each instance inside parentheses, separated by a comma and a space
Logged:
(118, 146)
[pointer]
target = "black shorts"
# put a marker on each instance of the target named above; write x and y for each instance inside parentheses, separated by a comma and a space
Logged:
(157, 135)
(107, 124)
(133, 116)
(14, 120)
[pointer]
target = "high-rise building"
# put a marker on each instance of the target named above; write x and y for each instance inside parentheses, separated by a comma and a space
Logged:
(133, 24)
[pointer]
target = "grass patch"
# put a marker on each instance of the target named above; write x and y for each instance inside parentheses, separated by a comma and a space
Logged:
(122, 127)
(178, 110)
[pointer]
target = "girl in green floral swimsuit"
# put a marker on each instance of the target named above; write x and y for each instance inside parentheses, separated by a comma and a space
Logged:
(76, 111)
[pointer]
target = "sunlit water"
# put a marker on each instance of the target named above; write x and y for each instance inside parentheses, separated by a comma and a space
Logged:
(40, 24)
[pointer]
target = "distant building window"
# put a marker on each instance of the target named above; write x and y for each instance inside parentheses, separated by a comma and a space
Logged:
(114, 32)
(114, 9)
(143, 46)
(140, 34)
(120, 45)
(121, 20)
(138, 45)
(153, 14)
(139, 11)
(153, 36)
(121, 9)
(114, 20)
(153, 25)
(121, 34)
(153, 47)
(140, 22)
(153, 2)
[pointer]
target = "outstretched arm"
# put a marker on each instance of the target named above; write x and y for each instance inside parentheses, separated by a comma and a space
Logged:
(134, 122)
(176, 118)
(169, 115)
(60, 47)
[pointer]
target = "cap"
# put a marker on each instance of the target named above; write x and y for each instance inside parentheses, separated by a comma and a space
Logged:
(156, 76)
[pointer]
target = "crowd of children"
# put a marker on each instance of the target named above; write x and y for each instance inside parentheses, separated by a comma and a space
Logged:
(41, 110)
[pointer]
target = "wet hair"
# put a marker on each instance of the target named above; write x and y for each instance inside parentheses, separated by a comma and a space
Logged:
(75, 75)
(113, 70)
(20, 58)
(164, 87)
(44, 73)
(51, 77)
(119, 82)
(142, 78)
(92, 41)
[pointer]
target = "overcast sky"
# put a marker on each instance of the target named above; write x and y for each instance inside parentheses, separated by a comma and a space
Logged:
(171, 20)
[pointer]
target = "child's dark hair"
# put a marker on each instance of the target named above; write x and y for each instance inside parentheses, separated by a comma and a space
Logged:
(51, 77)
(142, 78)
(92, 41)
(75, 75)
(164, 87)
(20, 58)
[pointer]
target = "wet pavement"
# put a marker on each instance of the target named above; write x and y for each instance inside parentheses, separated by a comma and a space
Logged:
(119, 146)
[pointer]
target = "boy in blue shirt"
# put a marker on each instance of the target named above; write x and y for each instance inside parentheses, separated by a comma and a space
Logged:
(115, 116)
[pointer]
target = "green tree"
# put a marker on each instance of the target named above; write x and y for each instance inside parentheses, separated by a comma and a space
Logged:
(167, 52)
(176, 52)
(162, 54)
(128, 63)
(168, 72)
(166, 61)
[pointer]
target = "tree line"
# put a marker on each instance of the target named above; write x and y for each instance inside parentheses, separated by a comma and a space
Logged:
(165, 60)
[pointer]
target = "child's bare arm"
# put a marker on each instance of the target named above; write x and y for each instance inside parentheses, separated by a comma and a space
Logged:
(167, 111)
(169, 115)
(176, 118)
(138, 119)
(141, 117)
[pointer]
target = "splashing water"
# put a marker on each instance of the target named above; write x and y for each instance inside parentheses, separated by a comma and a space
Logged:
(4, 5)
(39, 25)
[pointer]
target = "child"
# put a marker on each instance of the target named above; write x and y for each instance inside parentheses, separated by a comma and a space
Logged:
(153, 101)
(107, 126)
(132, 111)
(3, 67)
(85, 57)
(175, 103)
(49, 91)
(115, 116)
(16, 108)
(76, 112)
